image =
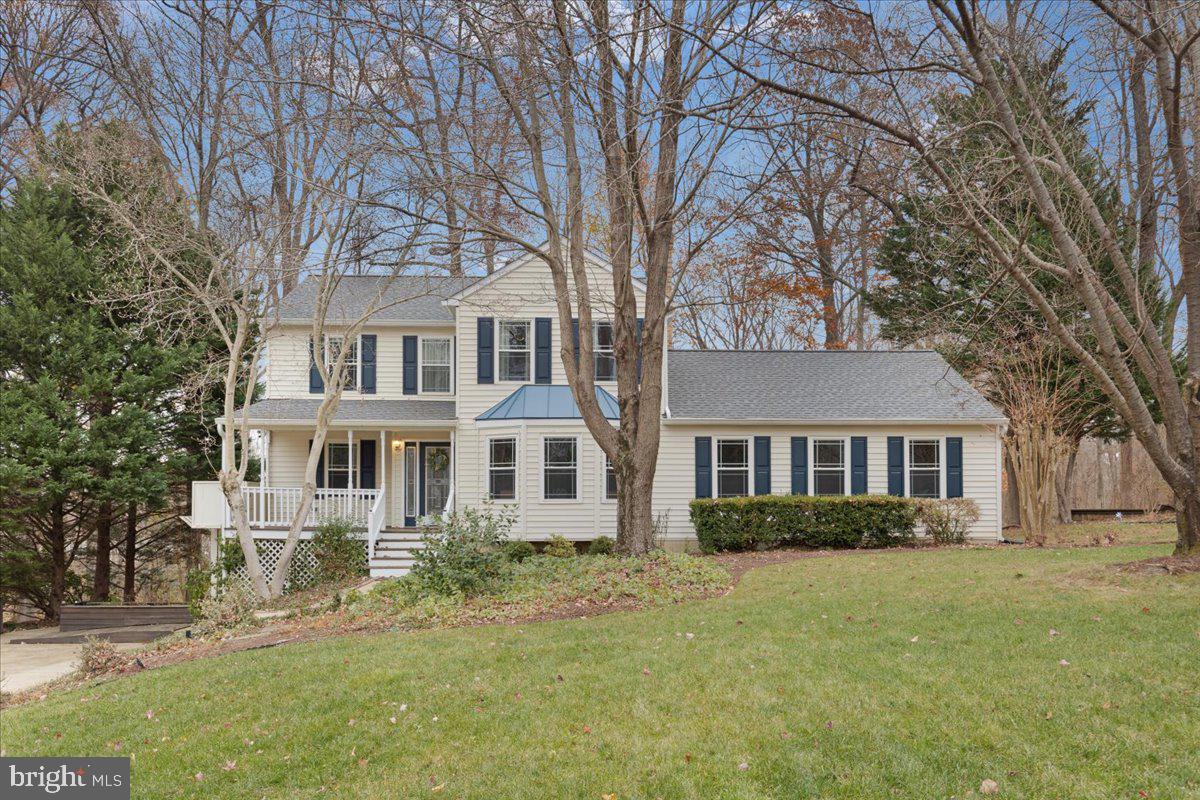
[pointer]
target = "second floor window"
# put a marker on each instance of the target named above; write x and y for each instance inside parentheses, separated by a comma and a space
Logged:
(514, 351)
(333, 346)
(435, 365)
(602, 350)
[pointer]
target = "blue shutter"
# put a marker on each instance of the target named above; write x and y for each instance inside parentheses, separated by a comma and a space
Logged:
(485, 344)
(762, 464)
(366, 464)
(640, 323)
(315, 384)
(895, 450)
(799, 465)
(320, 466)
(575, 339)
(541, 355)
(858, 465)
(703, 466)
(410, 365)
(367, 358)
(954, 466)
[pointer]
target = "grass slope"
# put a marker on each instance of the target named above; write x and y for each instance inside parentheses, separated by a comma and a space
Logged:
(865, 675)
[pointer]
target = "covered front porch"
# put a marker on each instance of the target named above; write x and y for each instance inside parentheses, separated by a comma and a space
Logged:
(380, 475)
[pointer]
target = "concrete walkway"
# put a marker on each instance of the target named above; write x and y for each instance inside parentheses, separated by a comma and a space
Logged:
(24, 666)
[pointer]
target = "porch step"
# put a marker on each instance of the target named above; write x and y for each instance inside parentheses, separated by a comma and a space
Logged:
(394, 552)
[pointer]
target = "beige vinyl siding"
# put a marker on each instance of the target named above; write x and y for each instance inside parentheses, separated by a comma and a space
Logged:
(675, 486)
(287, 361)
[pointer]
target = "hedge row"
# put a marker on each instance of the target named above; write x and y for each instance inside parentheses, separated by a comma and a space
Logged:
(763, 521)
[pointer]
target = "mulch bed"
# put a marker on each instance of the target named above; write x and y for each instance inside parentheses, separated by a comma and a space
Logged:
(1164, 565)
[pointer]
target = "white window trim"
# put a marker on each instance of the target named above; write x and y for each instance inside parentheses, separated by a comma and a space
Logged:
(532, 347)
(812, 464)
(604, 460)
(487, 469)
(421, 365)
(357, 361)
(578, 470)
(595, 325)
(941, 440)
(716, 464)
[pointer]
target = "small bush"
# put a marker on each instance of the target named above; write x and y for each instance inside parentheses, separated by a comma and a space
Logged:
(603, 546)
(197, 585)
(761, 522)
(340, 557)
(560, 547)
(231, 608)
(948, 521)
(464, 555)
(519, 550)
(99, 656)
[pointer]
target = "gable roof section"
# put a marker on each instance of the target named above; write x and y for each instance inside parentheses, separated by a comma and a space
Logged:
(534, 401)
(408, 298)
(590, 257)
(827, 385)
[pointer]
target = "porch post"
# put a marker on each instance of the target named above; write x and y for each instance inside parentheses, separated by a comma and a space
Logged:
(263, 481)
(224, 468)
(383, 471)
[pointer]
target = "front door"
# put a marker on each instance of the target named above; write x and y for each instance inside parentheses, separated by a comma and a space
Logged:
(435, 477)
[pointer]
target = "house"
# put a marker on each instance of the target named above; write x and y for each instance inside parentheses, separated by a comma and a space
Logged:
(456, 396)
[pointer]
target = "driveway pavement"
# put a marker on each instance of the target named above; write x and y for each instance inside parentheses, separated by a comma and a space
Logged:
(24, 666)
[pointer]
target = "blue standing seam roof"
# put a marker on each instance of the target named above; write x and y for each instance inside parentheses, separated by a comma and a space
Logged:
(547, 402)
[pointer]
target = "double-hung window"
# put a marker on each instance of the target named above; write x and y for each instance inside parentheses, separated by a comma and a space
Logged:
(610, 479)
(924, 468)
(333, 346)
(435, 365)
(339, 457)
(502, 468)
(602, 351)
(733, 467)
(514, 350)
(560, 468)
(829, 466)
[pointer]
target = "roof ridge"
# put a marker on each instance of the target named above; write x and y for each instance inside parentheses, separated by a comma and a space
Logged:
(794, 350)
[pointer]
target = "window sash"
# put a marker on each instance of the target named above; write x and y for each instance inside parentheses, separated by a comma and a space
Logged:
(333, 345)
(339, 462)
(925, 468)
(435, 365)
(514, 351)
(733, 467)
(560, 470)
(502, 469)
(610, 479)
(603, 344)
(829, 467)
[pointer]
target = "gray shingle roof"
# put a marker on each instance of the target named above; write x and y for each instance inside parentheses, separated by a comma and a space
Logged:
(415, 298)
(274, 410)
(820, 385)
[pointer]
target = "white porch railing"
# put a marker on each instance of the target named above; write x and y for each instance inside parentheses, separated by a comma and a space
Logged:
(276, 506)
(374, 524)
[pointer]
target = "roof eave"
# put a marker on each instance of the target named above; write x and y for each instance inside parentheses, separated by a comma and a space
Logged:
(676, 419)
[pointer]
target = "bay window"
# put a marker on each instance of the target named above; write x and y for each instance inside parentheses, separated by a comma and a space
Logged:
(560, 468)
(502, 468)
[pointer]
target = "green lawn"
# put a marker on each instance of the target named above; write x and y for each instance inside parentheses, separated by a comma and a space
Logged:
(914, 674)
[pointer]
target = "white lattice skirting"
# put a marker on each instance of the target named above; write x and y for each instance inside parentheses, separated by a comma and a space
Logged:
(304, 565)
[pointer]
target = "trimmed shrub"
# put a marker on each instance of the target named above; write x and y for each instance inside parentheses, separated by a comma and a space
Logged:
(519, 550)
(464, 555)
(764, 521)
(98, 656)
(339, 555)
(948, 521)
(560, 547)
(602, 546)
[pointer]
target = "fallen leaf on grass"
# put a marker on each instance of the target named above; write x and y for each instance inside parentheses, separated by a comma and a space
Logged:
(229, 766)
(989, 786)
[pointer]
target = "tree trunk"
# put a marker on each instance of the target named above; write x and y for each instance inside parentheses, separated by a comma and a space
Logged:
(1187, 517)
(102, 579)
(635, 515)
(58, 561)
(1063, 482)
(130, 593)
(1012, 495)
